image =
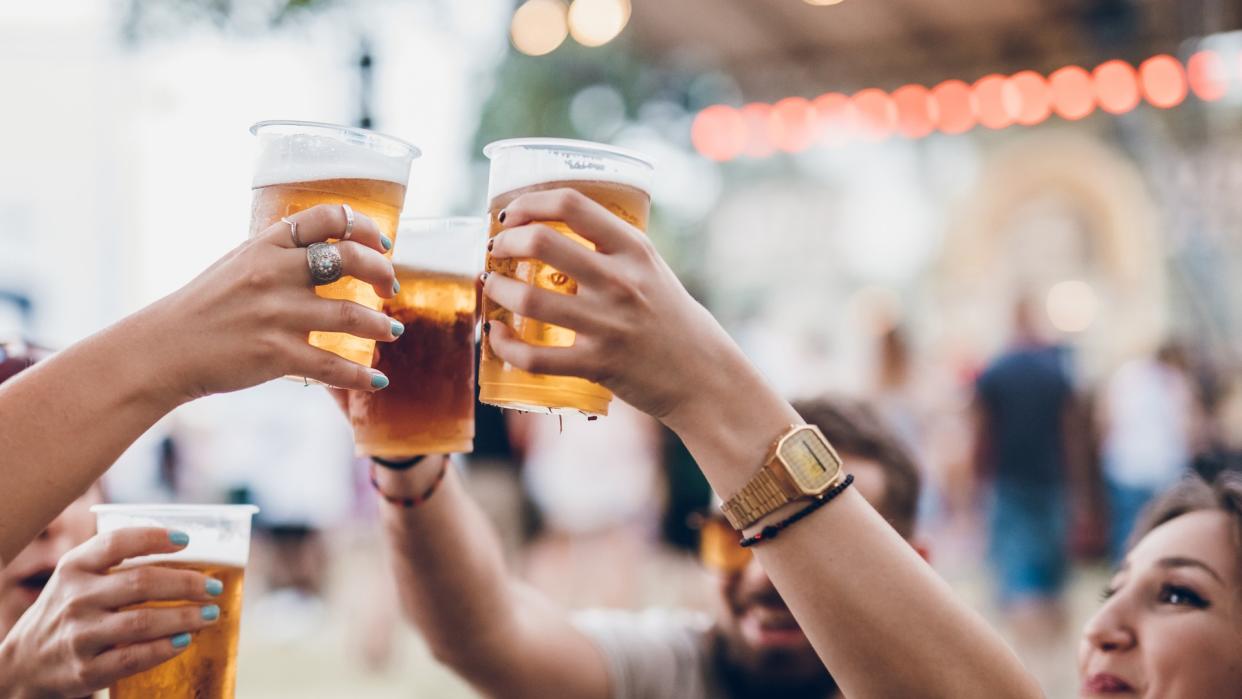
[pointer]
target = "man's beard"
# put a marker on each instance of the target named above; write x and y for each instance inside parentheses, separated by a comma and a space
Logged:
(770, 677)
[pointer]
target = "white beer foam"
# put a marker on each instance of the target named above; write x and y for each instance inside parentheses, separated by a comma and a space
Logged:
(515, 167)
(308, 158)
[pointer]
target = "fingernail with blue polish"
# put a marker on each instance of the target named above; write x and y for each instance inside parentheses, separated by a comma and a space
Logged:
(396, 286)
(214, 587)
(178, 538)
(378, 380)
(385, 242)
(181, 640)
(211, 612)
(397, 329)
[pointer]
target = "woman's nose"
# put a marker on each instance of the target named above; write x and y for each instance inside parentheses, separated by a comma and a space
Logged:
(1108, 633)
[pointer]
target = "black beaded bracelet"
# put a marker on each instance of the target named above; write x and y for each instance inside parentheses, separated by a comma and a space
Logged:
(770, 531)
(399, 465)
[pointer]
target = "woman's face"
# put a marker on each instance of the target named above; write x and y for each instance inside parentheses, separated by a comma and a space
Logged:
(1171, 623)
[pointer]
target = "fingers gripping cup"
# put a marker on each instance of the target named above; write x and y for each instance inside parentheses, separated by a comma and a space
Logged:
(618, 179)
(302, 164)
(429, 406)
(219, 547)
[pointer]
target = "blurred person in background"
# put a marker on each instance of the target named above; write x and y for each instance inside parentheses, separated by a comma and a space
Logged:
(66, 627)
(596, 488)
(750, 647)
(1024, 409)
(1148, 417)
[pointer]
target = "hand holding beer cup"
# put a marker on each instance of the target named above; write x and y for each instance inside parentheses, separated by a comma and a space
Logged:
(250, 313)
(83, 633)
(637, 330)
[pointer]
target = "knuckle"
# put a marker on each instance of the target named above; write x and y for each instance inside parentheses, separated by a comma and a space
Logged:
(570, 201)
(350, 314)
(137, 625)
(130, 660)
(86, 675)
(541, 241)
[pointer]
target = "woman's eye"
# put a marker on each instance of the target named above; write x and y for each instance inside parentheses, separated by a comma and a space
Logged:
(1182, 596)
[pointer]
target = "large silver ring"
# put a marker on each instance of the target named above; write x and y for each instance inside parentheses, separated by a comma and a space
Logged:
(293, 231)
(325, 263)
(349, 221)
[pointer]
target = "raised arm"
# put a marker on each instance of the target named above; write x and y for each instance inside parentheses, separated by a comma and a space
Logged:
(242, 322)
(881, 620)
(504, 638)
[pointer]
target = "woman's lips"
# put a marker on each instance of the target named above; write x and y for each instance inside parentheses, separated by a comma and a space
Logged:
(1104, 684)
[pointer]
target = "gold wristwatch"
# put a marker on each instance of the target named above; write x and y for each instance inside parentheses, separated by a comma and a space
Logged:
(801, 464)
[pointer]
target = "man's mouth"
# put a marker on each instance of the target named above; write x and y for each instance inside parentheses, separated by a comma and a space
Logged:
(1103, 684)
(771, 627)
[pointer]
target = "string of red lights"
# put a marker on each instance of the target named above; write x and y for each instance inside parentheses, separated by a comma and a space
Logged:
(757, 130)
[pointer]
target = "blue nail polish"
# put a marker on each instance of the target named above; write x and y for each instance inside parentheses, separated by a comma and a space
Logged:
(385, 242)
(211, 612)
(397, 329)
(396, 286)
(181, 640)
(214, 587)
(379, 381)
(178, 538)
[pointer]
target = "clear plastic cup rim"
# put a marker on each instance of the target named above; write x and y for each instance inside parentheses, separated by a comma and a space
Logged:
(173, 509)
(569, 144)
(366, 135)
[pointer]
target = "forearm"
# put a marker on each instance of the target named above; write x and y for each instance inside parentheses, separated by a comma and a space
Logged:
(879, 617)
(450, 569)
(67, 419)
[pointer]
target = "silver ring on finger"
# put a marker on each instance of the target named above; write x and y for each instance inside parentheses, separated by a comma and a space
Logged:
(324, 260)
(293, 231)
(349, 221)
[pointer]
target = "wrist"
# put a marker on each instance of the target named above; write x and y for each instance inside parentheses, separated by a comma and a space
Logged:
(731, 422)
(162, 380)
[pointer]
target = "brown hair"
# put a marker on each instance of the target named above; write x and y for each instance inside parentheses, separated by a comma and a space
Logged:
(856, 429)
(1194, 494)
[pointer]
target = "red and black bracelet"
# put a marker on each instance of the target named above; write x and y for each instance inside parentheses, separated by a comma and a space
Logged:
(772, 530)
(415, 501)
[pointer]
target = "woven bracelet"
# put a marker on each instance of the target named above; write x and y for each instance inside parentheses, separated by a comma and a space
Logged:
(772, 530)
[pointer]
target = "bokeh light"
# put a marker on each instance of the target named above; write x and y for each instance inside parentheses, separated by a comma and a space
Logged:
(955, 107)
(877, 115)
(996, 101)
(539, 26)
(1208, 76)
(1116, 86)
(597, 22)
(835, 118)
(1072, 95)
(719, 133)
(915, 111)
(1072, 306)
(793, 124)
(1034, 97)
(757, 116)
(1163, 81)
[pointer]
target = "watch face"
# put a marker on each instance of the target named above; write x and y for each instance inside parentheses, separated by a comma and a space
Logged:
(811, 462)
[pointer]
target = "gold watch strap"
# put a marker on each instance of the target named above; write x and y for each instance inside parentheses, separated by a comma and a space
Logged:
(760, 496)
